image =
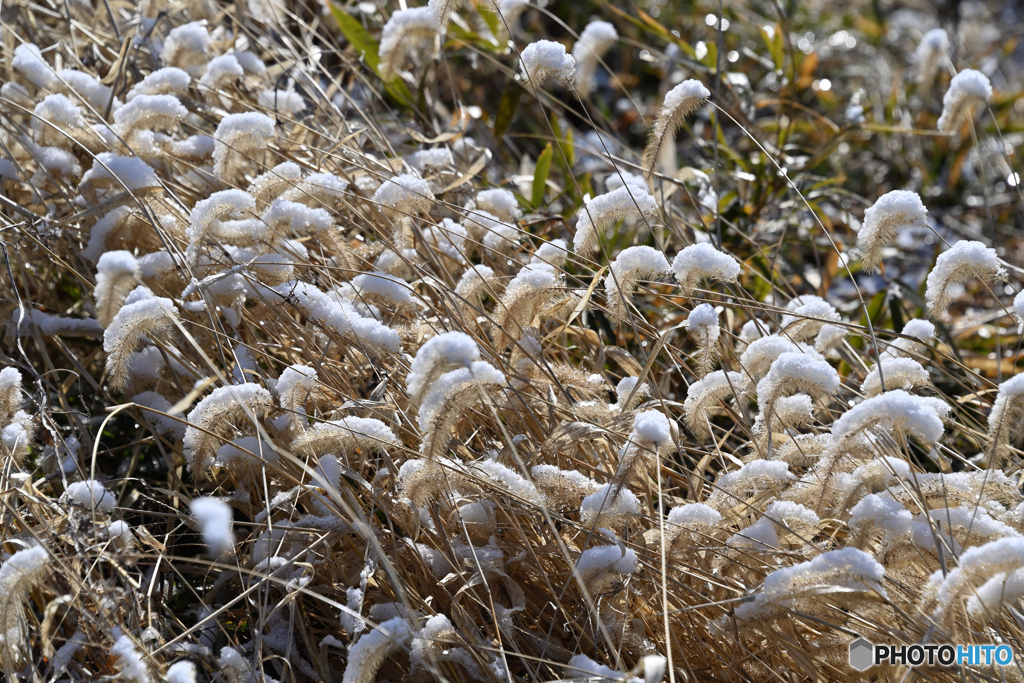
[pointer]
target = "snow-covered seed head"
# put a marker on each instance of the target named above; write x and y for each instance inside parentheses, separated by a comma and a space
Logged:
(525, 297)
(896, 411)
(117, 274)
(214, 518)
(699, 262)
(610, 506)
(793, 373)
(240, 140)
(346, 436)
(218, 416)
(149, 112)
(680, 102)
(595, 40)
(807, 316)
(546, 60)
(628, 202)
(894, 211)
(448, 397)
(221, 72)
(407, 33)
(28, 62)
(404, 194)
(18, 576)
(56, 120)
(631, 266)
(166, 81)
(705, 394)
(142, 315)
(800, 586)
(930, 52)
(898, 373)
(920, 331)
(963, 261)
(499, 202)
(1006, 420)
(443, 353)
(968, 90)
(187, 47)
(703, 325)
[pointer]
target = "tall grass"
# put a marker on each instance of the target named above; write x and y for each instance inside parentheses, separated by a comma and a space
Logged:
(376, 342)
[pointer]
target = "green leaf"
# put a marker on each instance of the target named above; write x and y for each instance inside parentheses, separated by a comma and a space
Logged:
(540, 176)
(357, 36)
(490, 18)
(775, 45)
(507, 106)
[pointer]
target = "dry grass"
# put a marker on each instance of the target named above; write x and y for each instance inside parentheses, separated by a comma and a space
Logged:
(428, 517)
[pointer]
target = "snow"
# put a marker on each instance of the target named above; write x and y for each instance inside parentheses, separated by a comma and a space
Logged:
(287, 101)
(29, 61)
(969, 87)
(221, 71)
(181, 672)
(684, 97)
(898, 373)
(150, 112)
(636, 262)
(131, 172)
(130, 661)
(582, 666)
(494, 472)
(603, 558)
(385, 286)
(166, 81)
(702, 261)
(87, 87)
(214, 518)
(796, 370)
(651, 426)
(595, 40)
(499, 202)
(553, 253)
(546, 60)
(445, 350)
(772, 470)
(194, 147)
(609, 501)
(844, 568)
(897, 409)
(393, 632)
(630, 202)
(404, 193)
(704, 319)
(1003, 551)
(694, 513)
(243, 132)
(89, 494)
(479, 372)
(58, 110)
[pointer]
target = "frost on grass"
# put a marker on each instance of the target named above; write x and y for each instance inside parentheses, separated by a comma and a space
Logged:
(963, 261)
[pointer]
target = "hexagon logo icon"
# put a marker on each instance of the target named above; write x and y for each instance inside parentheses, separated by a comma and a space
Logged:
(861, 657)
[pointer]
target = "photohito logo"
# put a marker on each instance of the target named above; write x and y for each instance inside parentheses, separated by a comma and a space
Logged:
(864, 654)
